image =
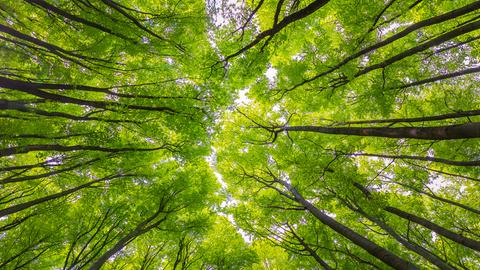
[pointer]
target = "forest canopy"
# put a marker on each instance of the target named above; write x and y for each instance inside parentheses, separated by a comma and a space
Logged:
(239, 134)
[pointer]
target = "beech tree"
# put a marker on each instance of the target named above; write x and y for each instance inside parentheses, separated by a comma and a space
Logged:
(255, 134)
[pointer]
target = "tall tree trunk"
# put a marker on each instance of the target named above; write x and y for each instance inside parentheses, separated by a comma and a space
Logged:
(23, 107)
(391, 121)
(307, 248)
(43, 175)
(441, 77)
(423, 46)
(427, 255)
(58, 51)
(63, 148)
(469, 163)
(451, 132)
(379, 252)
(141, 228)
(473, 244)
(63, 13)
(33, 89)
(428, 22)
(433, 196)
(26, 205)
(304, 12)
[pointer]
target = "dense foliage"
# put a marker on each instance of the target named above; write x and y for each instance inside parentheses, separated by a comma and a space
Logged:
(239, 134)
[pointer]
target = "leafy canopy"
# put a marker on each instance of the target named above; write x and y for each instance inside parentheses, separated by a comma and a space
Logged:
(319, 134)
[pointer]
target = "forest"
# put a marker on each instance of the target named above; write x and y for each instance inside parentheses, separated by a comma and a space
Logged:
(239, 134)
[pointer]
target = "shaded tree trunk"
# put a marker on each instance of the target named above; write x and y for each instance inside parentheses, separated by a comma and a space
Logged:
(379, 252)
(23, 107)
(63, 13)
(457, 114)
(141, 228)
(26, 205)
(38, 176)
(473, 244)
(470, 163)
(33, 89)
(427, 255)
(62, 148)
(451, 132)
(434, 42)
(433, 196)
(465, 241)
(428, 22)
(306, 11)
(307, 248)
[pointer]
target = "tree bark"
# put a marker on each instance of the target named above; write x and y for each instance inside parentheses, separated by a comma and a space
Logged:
(141, 228)
(62, 148)
(51, 173)
(458, 114)
(451, 132)
(306, 11)
(50, 47)
(471, 163)
(307, 248)
(26, 205)
(433, 196)
(379, 252)
(428, 22)
(473, 244)
(63, 13)
(32, 89)
(441, 77)
(434, 42)
(427, 255)
(23, 107)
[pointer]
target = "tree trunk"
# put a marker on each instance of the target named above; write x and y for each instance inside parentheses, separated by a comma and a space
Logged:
(63, 13)
(26, 205)
(473, 244)
(433, 196)
(23, 107)
(428, 22)
(451, 132)
(141, 228)
(307, 248)
(379, 252)
(457, 114)
(62, 148)
(419, 48)
(470, 163)
(32, 89)
(304, 12)
(38, 176)
(427, 255)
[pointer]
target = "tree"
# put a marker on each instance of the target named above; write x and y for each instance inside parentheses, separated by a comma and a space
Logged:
(239, 134)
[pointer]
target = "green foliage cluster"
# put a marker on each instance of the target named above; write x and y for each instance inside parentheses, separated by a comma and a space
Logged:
(239, 134)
